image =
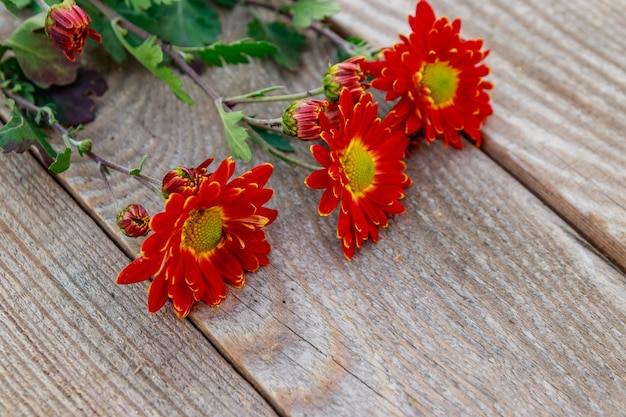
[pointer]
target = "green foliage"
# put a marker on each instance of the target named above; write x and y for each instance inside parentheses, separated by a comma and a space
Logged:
(61, 162)
(226, 3)
(101, 24)
(236, 135)
(12, 79)
(238, 52)
(136, 171)
(306, 11)
(286, 38)
(20, 133)
(356, 47)
(151, 56)
(183, 23)
(14, 6)
(276, 141)
(42, 62)
(140, 5)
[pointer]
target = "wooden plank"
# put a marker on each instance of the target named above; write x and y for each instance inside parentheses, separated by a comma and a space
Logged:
(73, 343)
(560, 75)
(479, 300)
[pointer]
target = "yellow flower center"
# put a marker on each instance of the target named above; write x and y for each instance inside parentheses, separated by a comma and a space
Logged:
(358, 166)
(202, 231)
(442, 80)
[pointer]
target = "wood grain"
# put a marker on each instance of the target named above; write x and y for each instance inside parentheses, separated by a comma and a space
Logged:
(560, 75)
(478, 301)
(75, 344)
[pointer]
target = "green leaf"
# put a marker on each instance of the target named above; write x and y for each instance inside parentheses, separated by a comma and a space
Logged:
(101, 24)
(20, 133)
(238, 52)
(184, 23)
(306, 11)
(236, 135)
(286, 38)
(151, 56)
(42, 62)
(258, 93)
(226, 3)
(12, 79)
(141, 5)
(62, 161)
(137, 171)
(14, 6)
(356, 47)
(275, 140)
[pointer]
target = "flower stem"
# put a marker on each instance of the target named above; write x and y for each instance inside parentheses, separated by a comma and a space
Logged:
(264, 123)
(178, 59)
(44, 6)
(256, 138)
(61, 130)
(231, 101)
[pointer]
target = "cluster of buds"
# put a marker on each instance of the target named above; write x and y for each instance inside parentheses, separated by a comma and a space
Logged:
(67, 25)
(134, 220)
(301, 117)
(184, 181)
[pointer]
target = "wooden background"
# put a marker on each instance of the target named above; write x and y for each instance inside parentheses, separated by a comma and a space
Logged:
(500, 292)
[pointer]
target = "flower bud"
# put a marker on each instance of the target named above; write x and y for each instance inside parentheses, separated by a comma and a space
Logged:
(134, 221)
(67, 25)
(301, 119)
(346, 74)
(84, 146)
(184, 181)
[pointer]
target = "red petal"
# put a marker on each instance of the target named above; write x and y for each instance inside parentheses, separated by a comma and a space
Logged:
(137, 271)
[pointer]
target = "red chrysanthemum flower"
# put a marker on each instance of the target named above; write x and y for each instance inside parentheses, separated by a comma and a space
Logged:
(67, 25)
(206, 239)
(362, 168)
(437, 77)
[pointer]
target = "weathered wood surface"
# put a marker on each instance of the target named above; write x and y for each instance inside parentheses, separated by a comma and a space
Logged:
(560, 73)
(480, 300)
(75, 344)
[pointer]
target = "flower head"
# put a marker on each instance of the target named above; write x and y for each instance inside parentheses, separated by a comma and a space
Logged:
(134, 221)
(437, 77)
(185, 181)
(346, 74)
(301, 117)
(206, 239)
(362, 168)
(67, 25)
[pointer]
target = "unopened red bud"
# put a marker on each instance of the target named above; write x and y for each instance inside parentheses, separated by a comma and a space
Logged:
(67, 25)
(301, 119)
(346, 74)
(184, 181)
(134, 221)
